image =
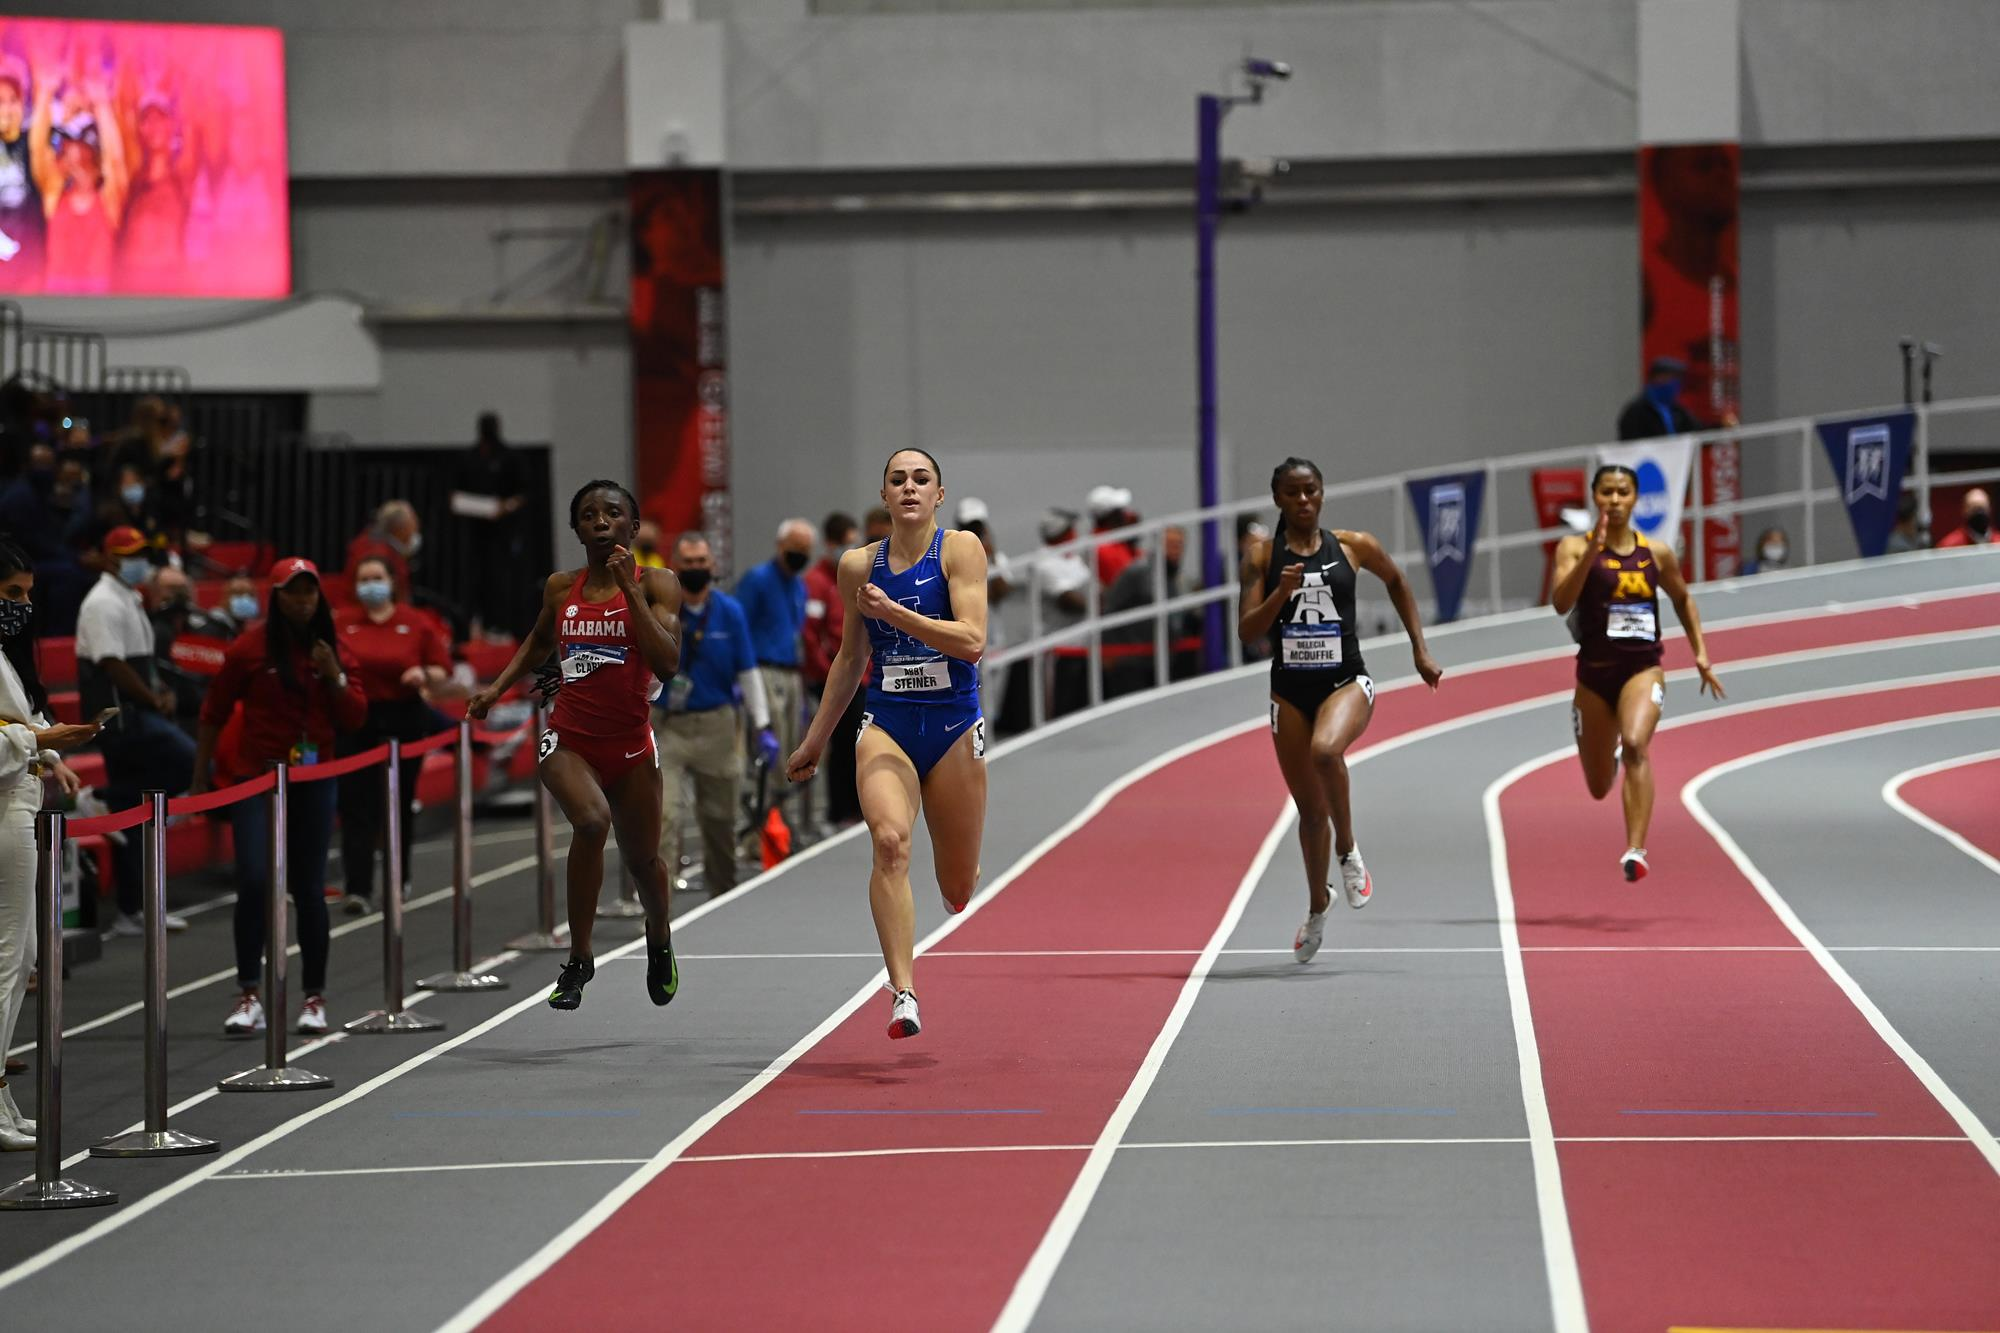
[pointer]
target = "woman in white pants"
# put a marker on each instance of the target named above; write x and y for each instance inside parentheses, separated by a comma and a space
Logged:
(28, 745)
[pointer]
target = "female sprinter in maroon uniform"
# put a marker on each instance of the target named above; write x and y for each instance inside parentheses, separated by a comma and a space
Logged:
(615, 629)
(1298, 590)
(1609, 584)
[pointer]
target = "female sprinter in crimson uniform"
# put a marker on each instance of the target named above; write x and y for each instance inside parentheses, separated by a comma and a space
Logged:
(1298, 591)
(918, 598)
(299, 691)
(616, 631)
(1609, 584)
(402, 657)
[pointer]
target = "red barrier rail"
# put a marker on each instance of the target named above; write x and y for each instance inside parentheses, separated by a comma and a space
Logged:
(340, 768)
(222, 796)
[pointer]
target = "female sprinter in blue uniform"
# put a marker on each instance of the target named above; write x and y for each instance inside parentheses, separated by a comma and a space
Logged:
(1609, 585)
(919, 597)
(1298, 590)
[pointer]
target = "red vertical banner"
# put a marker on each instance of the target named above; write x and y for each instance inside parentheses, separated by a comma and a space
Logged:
(680, 356)
(1688, 210)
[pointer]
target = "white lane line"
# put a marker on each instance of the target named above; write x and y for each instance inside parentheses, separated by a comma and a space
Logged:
(496, 1295)
(1034, 1281)
(1953, 1104)
(443, 895)
(1892, 794)
(1558, 1247)
(426, 1170)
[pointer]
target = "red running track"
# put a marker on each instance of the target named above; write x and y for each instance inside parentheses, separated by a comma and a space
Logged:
(1962, 799)
(798, 1242)
(1844, 1234)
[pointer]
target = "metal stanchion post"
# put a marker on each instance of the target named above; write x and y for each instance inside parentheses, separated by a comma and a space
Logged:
(155, 1140)
(462, 977)
(47, 1188)
(274, 1076)
(392, 1016)
(547, 937)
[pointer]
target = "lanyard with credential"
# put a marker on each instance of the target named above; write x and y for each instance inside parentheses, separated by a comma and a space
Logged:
(683, 682)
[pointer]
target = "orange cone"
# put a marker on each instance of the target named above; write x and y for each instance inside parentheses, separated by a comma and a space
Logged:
(776, 839)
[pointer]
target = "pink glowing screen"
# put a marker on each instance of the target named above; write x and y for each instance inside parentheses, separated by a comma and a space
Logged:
(142, 159)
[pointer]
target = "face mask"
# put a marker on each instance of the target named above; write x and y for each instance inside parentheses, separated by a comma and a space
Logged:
(1664, 394)
(133, 569)
(244, 606)
(132, 495)
(14, 617)
(696, 580)
(375, 592)
(1978, 522)
(1774, 553)
(796, 560)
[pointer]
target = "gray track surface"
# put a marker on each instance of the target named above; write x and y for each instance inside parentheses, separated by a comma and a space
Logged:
(1411, 1043)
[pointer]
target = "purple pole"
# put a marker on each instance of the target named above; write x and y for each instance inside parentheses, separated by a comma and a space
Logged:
(1208, 209)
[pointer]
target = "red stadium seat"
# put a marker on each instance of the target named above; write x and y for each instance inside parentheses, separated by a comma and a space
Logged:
(66, 705)
(211, 594)
(88, 765)
(252, 558)
(56, 660)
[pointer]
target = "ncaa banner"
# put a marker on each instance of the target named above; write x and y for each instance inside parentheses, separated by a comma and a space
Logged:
(1662, 468)
(1870, 456)
(1448, 516)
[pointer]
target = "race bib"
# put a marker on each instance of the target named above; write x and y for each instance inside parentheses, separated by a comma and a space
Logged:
(677, 694)
(1310, 650)
(916, 677)
(580, 659)
(1632, 620)
(546, 746)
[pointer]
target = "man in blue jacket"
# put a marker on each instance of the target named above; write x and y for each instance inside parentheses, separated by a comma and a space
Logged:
(773, 595)
(697, 723)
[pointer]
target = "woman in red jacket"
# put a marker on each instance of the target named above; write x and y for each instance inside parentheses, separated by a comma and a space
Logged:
(403, 662)
(299, 691)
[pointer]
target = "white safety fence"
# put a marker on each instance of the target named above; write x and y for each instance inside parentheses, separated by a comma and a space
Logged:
(1785, 482)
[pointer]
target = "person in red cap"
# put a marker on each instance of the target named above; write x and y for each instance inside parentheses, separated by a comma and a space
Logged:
(299, 690)
(120, 682)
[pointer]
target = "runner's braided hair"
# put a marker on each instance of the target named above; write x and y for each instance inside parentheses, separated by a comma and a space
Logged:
(1293, 465)
(1612, 469)
(601, 484)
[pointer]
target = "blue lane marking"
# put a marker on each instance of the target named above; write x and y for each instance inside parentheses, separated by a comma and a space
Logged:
(1333, 1110)
(512, 1115)
(1857, 1115)
(990, 1110)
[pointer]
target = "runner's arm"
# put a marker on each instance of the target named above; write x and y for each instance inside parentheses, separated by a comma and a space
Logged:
(1367, 553)
(659, 634)
(1677, 591)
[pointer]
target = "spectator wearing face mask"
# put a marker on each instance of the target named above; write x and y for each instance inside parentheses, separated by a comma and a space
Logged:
(1977, 527)
(401, 660)
(1774, 552)
(773, 598)
(188, 644)
(1657, 410)
(244, 606)
(1911, 530)
(646, 552)
(393, 538)
(143, 748)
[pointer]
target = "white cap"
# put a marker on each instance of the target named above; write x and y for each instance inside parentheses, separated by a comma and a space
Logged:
(1108, 499)
(972, 509)
(1055, 523)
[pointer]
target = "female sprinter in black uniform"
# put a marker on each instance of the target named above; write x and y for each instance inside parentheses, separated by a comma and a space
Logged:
(1608, 584)
(1298, 589)
(916, 604)
(616, 629)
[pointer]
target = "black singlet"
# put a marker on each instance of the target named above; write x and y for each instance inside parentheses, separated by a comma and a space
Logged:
(1315, 643)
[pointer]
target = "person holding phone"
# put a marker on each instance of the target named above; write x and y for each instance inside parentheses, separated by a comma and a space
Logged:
(116, 671)
(299, 689)
(29, 748)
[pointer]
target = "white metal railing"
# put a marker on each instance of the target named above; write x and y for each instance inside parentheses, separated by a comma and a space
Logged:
(1789, 446)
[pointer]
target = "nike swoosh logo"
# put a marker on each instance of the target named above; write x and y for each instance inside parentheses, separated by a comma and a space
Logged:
(636, 753)
(951, 727)
(921, 582)
(615, 611)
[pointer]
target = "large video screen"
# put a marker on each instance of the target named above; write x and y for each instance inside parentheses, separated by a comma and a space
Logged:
(142, 159)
